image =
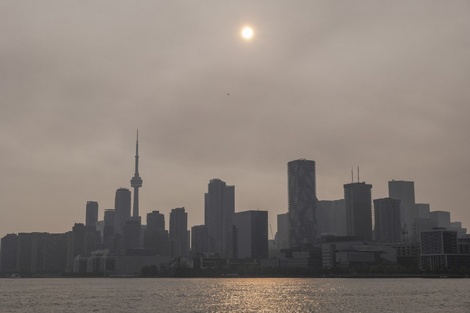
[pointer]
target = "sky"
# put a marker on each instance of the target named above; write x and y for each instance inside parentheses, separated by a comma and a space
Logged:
(383, 85)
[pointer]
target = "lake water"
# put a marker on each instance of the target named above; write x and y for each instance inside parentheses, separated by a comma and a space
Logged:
(234, 295)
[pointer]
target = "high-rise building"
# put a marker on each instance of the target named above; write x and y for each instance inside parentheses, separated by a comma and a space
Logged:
(331, 217)
(283, 231)
(91, 213)
(422, 210)
(155, 220)
(82, 240)
(179, 232)
(136, 181)
(250, 234)
(122, 209)
(358, 201)
(405, 192)
(387, 226)
(131, 234)
(9, 246)
(302, 200)
(442, 218)
(199, 239)
(218, 217)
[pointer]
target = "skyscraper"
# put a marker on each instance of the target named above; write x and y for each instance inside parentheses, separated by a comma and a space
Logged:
(136, 181)
(302, 198)
(387, 220)
(91, 213)
(155, 220)
(122, 209)
(218, 216)
(405, 192)
(179, 232)
(250, 234)
(358, 200)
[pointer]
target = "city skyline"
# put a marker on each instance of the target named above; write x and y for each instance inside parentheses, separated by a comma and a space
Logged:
(372, 84)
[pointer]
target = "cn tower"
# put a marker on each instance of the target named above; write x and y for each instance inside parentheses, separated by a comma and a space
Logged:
(136, 181)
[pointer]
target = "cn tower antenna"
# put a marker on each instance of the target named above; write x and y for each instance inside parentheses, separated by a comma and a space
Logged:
(136, 181)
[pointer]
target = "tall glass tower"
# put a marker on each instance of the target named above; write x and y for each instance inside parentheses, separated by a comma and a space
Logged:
(302, 200)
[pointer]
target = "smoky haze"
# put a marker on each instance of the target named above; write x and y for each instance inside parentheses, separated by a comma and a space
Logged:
(379, 84)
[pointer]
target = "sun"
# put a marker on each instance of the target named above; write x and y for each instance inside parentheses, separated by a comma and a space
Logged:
(247, 33)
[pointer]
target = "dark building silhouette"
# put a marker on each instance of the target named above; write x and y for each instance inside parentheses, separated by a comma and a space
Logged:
(131, 234)
(136, 181)
(179, 232)
(405, 192)
(199, 239)
(122, 209)
(91, 213)
(358, 200)
(387, 220)
(24, 253)
(218, 217)
(108, 230)
(9, 246)
(302, 202)
(82, 240)
(155, 220)
(250, 234)
(158, 241)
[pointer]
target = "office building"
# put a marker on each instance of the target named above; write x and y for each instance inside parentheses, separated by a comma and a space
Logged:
(155, 220)
(302, 201)
(91, 213)
(179, 232)
(132, 235)
(219, 208)
(250, 234)
(439, 250)
(331, 217)
(122, 209)
(8, 246)
(199, 240)
(405, 192)
(387, 220)
(358, 202)
(283, 231)
(441, 218)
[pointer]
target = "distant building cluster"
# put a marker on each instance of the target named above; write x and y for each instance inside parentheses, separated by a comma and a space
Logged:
(313, 233)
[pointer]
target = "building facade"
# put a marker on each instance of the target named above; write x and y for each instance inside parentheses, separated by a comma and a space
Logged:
(219, 208)
(358, 202)
(302, 201)
(387, 220)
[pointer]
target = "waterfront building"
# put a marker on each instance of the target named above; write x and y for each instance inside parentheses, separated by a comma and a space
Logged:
(358, 202)
(199, 240)
(283, 231)
(179, 232)
(155, 220)
(387, 220)
(91, 213)
(8, 247)
(331, 217)
(219, 208)
(250, 234)
(131, 234)
(441, 218)
(302, 202)
(122, 209)
(82, 240)
(440, 250)
(405, 192)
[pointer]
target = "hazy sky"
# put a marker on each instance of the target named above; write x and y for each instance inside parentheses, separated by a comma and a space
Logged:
(380, 84)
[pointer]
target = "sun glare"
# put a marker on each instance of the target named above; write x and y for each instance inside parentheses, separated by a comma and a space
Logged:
(247, 32)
